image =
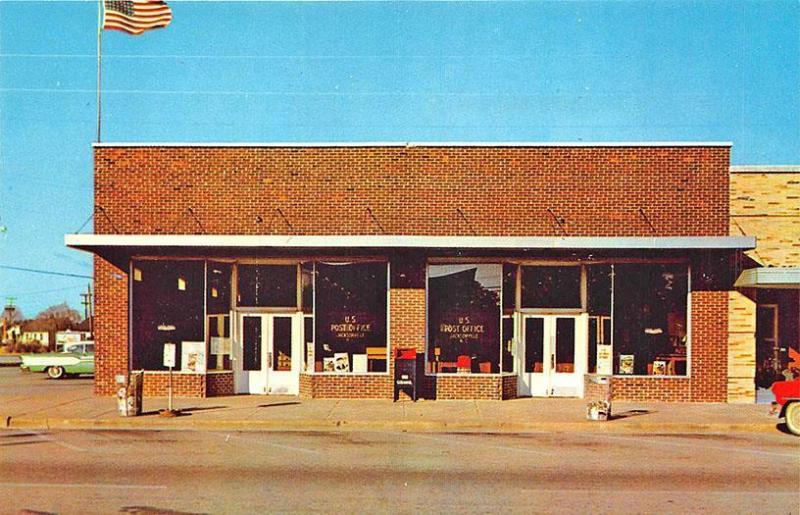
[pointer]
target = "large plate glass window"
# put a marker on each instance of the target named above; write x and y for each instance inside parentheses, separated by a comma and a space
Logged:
(350, 317)
(168, 298)
(509, 307)
(464, 318)
(307, 305)
(598, 305)
(267, 285)
(218, 320)
(650, 319)
(551, 287)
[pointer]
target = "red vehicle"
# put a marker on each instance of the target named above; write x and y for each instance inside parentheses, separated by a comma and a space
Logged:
(787, 395)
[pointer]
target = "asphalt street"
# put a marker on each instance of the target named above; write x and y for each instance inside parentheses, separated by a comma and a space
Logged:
(396, 472)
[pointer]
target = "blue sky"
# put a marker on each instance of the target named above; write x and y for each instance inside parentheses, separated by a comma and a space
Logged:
(371, 71)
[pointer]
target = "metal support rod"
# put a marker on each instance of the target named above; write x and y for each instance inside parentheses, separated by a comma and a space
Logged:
(466, 221)
(375, 219)
(649, 223)
(558, 221)
(284, 218)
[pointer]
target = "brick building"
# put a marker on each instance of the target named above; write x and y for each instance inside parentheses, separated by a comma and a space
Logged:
(512, 269)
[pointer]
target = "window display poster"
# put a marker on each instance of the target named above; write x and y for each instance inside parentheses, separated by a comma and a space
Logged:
(341, 362)
(626, 364)
(193, 357)
(220, 345)
(605, 361)
(309, 356)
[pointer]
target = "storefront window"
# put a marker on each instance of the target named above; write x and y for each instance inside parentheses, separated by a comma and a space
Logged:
(219, 342)
(598, 286)
(650, 331)
(307, 286)
(350, 317)
(509, 306)
(167, 307)
(509, 348)
(551, 287)
(509, 288)
(218, 306)
(464, 318)
(308, 339)
(267, 285)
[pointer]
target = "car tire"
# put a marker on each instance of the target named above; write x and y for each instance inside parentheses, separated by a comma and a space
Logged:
(56, 372)
(793, 417)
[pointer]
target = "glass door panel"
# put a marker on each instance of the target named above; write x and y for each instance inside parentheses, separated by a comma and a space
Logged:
(534, 344)
(565, 345)
(282, 344)
(251, 343)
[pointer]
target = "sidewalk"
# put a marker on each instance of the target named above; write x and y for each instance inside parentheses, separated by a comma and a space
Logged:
(78, 409)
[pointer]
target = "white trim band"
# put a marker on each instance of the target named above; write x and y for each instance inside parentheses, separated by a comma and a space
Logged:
(405, 241)
(426, 144)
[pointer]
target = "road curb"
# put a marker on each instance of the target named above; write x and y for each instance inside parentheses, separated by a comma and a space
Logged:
(152, 423)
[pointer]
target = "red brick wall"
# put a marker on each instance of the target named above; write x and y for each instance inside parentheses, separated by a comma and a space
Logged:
(469, 386)
(306, 386)
(110, 326)
(346, 386)
(183, 385)
(709, 346)
(593, 391)
(413, 190)
(672, 389)
(220, 383)
(510, 386)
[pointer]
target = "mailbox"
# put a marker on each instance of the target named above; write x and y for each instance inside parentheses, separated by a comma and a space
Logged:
(405, 373)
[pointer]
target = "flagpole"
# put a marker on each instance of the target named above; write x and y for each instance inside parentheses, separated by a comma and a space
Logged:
(99, 61)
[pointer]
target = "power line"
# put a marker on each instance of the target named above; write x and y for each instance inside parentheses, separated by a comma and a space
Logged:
(52, 290)
(46, 272)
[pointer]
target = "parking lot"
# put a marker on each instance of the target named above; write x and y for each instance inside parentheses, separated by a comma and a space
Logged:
(14, 382)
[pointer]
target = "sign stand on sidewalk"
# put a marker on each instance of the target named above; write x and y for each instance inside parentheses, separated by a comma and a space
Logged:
(169, 361)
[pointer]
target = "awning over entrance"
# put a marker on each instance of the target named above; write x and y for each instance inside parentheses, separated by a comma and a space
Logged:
(775, 277)
(99, 242)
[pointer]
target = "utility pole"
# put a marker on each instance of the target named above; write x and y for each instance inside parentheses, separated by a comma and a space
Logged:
(88, 311)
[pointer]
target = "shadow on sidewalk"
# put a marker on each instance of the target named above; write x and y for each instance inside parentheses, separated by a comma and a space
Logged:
(185, 412)
(629, 413)
(276, 404)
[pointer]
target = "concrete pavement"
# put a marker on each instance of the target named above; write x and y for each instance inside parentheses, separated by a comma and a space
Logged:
(403, 472)
(32, 401)
(10, 360)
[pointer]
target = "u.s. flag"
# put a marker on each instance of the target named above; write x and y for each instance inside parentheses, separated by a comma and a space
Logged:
(136, 16)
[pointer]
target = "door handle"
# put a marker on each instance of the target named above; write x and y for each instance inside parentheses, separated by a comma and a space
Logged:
(552, 362)
(269, 360)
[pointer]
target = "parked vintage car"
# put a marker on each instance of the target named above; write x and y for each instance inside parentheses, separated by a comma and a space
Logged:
(75, 359)
(787, 397)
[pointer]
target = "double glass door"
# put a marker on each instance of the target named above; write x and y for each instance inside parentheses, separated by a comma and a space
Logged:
(552, 360)
(267, 358)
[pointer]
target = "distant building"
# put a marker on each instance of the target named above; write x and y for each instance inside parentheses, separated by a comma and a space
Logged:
(12, 333)
(70, 336)
(42, 337)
